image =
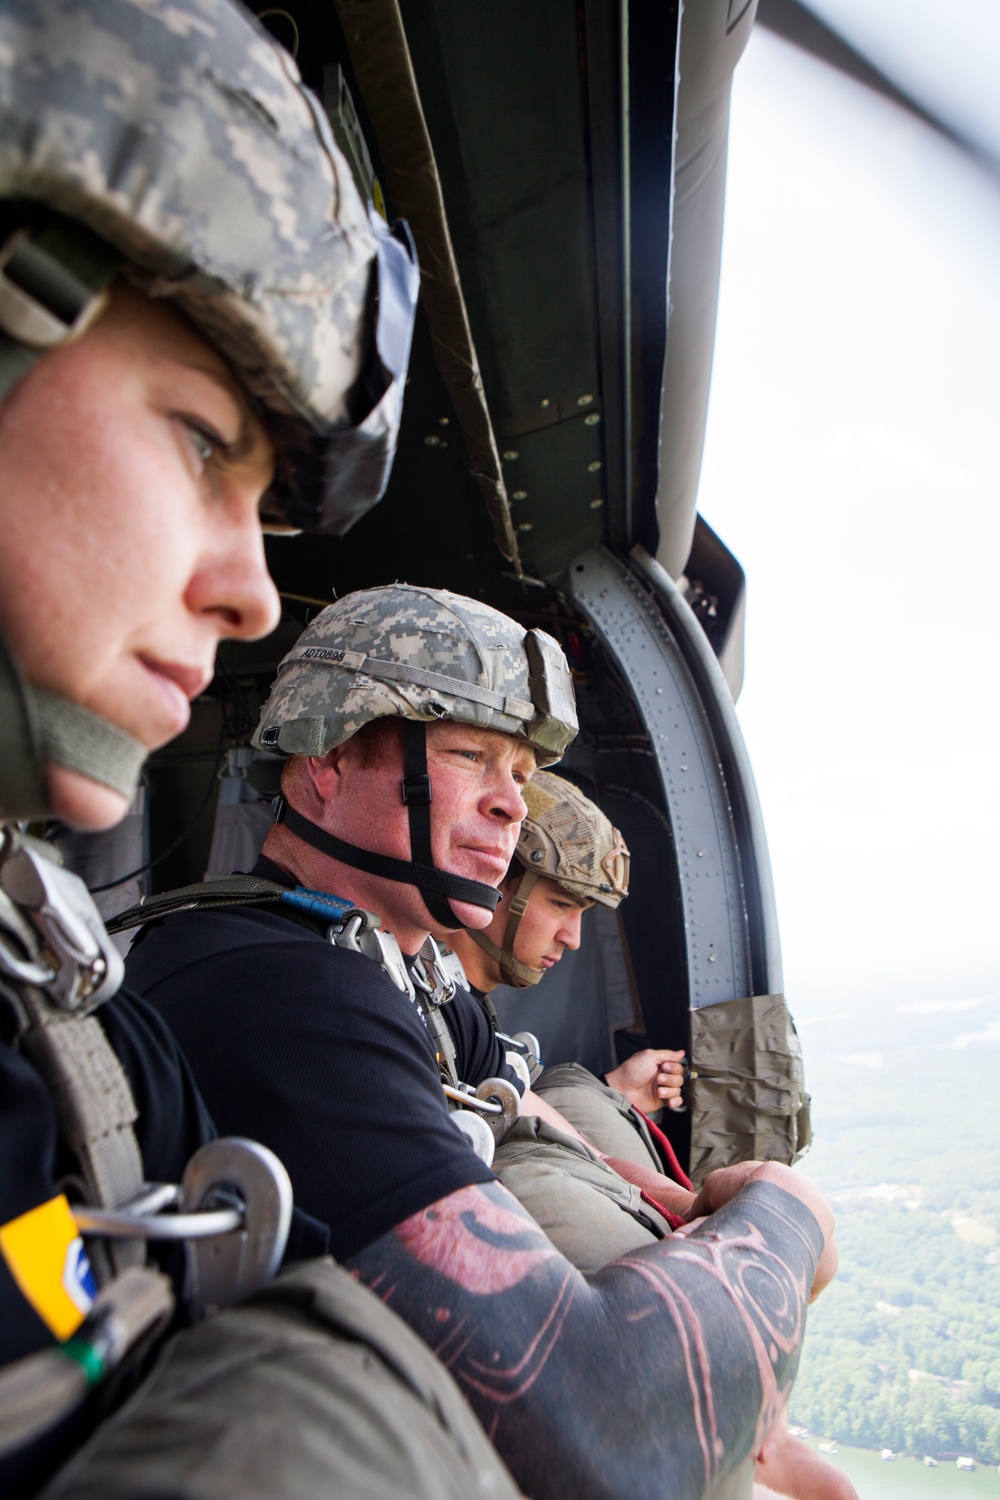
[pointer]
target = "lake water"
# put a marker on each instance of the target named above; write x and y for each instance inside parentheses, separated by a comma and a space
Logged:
(907, 1479)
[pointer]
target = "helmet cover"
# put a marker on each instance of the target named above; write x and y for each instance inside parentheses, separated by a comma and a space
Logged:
(567, 838)
(181, 135)
(420, 654)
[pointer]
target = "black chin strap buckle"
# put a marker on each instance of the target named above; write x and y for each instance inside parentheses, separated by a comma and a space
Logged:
(417, 790)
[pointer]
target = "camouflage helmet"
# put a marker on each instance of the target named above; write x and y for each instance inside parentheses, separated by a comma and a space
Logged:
(418, 654)
(175, 145)
(566, 838)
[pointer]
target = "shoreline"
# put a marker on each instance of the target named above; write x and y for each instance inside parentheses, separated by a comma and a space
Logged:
(905, 1477)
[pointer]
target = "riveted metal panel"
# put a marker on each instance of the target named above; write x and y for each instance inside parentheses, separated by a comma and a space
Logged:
(713, 899)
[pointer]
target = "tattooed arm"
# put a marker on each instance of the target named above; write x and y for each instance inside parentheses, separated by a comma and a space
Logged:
(658, 1375)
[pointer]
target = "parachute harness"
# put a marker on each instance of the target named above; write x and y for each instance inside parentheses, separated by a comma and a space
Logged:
(429, 980)
(231, 1210)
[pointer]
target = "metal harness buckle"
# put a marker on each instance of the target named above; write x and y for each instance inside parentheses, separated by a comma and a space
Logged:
(359, 935)
(486, 1114)
(51, 933)
(233, 1212)
(433, 975)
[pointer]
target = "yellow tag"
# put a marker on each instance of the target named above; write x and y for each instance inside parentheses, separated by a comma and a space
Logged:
(45, 1254)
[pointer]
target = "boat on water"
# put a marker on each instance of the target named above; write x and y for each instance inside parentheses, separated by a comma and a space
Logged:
(965, 1464)
(888, 1456)
(930, 1463)
(827, 1447)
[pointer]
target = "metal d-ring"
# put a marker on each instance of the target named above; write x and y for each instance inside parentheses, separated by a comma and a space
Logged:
(500, 1091)
(485, 1106)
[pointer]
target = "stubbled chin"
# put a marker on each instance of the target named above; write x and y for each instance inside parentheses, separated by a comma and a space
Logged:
(83, 803)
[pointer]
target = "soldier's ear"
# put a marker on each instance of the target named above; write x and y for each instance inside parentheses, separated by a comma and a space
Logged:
(325, 772)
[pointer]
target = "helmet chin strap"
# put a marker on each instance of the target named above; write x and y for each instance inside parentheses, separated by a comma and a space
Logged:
(37, 726)
(512, 970)
(438, 887)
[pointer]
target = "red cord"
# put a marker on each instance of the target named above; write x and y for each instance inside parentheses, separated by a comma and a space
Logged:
(674, 1220)
(674, 1168)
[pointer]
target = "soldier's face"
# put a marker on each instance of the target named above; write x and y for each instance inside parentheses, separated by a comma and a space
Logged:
(551, 924)
(476, 776)
(130, 543)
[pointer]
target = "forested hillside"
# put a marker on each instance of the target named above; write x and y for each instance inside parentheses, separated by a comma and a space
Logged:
(904, 1349)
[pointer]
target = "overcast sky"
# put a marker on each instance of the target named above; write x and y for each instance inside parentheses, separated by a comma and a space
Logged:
(852, 465)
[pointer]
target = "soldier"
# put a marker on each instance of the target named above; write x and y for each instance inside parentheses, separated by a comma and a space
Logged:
(556, 1161)
(412, 719)
(568, 859)
(589, 1171)
(187, 288)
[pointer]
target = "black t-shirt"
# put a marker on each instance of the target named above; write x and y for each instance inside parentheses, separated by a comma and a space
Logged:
(34, 1163)
(314, 1051)
(172, 1124)
(487, 1006)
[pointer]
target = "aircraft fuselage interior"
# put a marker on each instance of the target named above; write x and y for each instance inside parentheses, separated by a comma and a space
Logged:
(562, 169)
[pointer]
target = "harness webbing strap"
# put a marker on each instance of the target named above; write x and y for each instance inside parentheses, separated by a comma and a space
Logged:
(56, 962)
(93, 1105)
(444, 1043)
(41, 1390)
(231, 890)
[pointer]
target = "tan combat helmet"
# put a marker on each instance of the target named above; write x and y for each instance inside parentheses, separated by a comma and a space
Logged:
(566, 838)
(174, 145)
(419, 655)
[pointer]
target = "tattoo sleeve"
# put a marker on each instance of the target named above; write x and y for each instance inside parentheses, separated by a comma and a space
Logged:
(655, 1377)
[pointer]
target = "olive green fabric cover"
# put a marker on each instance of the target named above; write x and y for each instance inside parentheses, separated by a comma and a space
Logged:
(590, 1214)
(600, 1113)
(313, 1389)
(748, 1098)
